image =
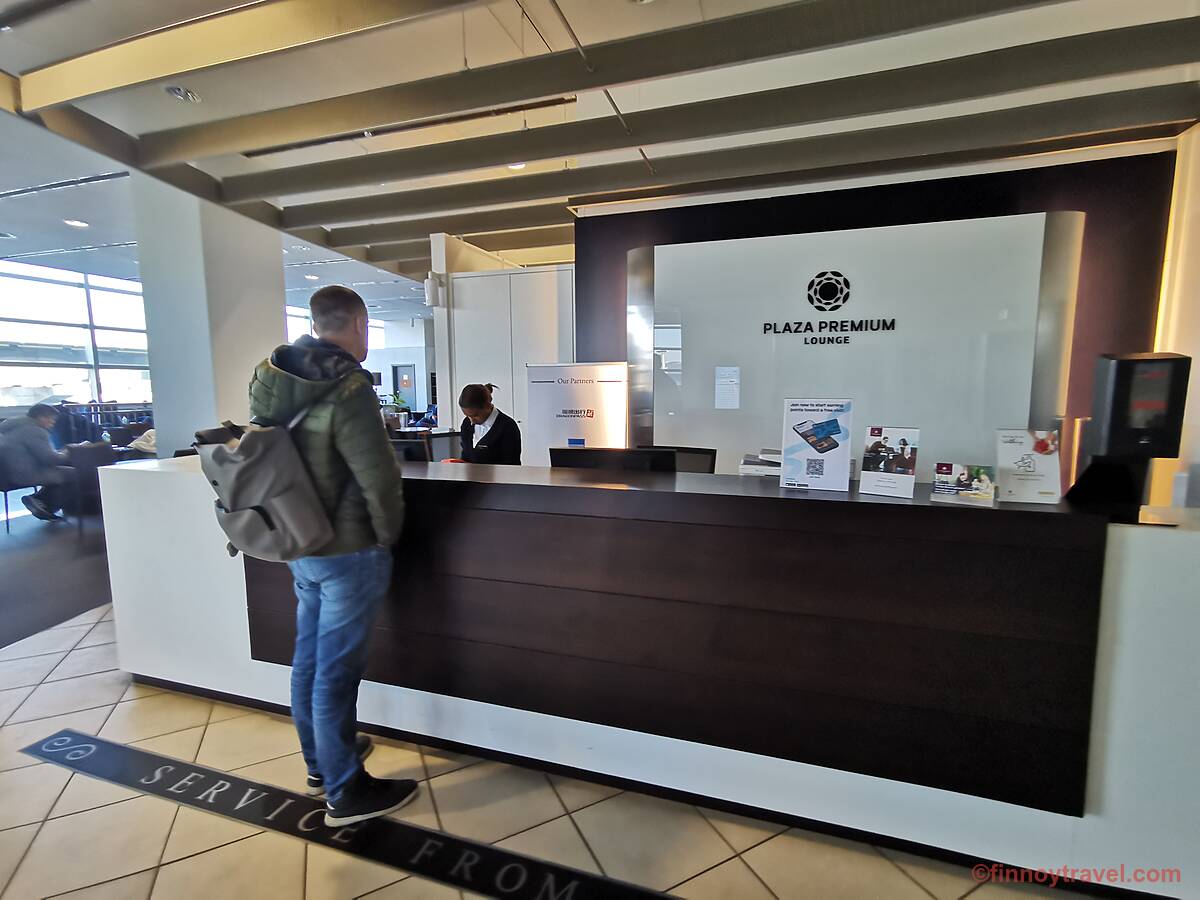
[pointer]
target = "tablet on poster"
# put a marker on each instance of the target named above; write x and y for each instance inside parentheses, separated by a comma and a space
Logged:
(889, 464)
(969, 485)
(1028, 466)
(816, 444)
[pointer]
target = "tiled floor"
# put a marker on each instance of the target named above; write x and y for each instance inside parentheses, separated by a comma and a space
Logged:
(67, 835)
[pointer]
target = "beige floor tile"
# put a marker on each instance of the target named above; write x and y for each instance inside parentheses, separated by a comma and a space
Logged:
(578, 794)
(13, 844)
(419, 811)
(196, 831)
(265, 867)
(131, 887)
(287, 772)
(84, 792)
(491, 801)
(223, 711)
(91, 617)
(439, 762)
(11, 700)
(1017, 892)
(390, 761)
(103, 633)
(56, 698)
(333, 875)
(86, 661)
(415, 889)
(29, 793)
(557, 842)
(94, 846)
(801, 864)
(246, 740)
(137, 691)
(944, 880)
(649, 841)
(731, 880)
(741, 832)
(136, 720)
(28, 671)
(56, 640)
(15, 737)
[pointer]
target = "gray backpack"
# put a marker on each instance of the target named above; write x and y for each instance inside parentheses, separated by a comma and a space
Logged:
(266, 503)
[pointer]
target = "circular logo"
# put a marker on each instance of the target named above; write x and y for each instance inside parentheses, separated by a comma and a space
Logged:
(828, 291)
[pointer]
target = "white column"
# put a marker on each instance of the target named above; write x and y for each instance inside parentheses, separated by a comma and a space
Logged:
(213, 286)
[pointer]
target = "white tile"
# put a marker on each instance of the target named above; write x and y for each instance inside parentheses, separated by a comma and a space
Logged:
(265, 867)
(196, 831)
(741, 832)
(56, 698)
(491, 801)
(944, 880)
(86, 661)
(333, 875)
(131, 887)
(578, 794)
(28, 671)
(29, 793)
(13, 843)
(727, 881)
(91, 847)
(13, 738)
(439, 762)
(56, 640)
(802, 864)
(103, 633)
(11, 700)
(136, 720)
(110, 615)
(246, 740)
(556, 842)
(652, 842)
(91, 617)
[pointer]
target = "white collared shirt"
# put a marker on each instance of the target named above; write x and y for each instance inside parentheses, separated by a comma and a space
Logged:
(482, 430)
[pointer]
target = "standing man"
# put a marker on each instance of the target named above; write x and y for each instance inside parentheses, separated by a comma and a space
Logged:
(31, 460)
(355, 472)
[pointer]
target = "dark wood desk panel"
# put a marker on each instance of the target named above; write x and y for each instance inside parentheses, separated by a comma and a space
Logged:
(937, 645)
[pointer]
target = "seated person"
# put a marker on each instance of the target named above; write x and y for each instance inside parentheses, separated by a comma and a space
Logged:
(429, 420)
(488, 435)
(29, 460)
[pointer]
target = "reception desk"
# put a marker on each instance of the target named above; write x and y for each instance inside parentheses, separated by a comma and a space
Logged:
(1013, 684)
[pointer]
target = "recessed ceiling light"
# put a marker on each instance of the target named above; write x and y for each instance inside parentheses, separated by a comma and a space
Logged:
(312, 277)
(182, 94)
(516, 167)
(297, 246)
(5, 28)
(76, 223)
(7, 236)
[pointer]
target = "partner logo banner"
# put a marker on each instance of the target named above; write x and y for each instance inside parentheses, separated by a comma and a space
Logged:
(828, 291)
(577, 414)
(574, 405)
(432, 854)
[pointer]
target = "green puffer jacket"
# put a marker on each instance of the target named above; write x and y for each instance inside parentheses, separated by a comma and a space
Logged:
(342, 440)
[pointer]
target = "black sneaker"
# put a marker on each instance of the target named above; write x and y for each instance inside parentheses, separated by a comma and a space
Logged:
(38, 509)
(316, 784)
(369, 798)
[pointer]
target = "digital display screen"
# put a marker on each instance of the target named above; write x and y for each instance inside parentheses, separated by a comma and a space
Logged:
(1149, 393)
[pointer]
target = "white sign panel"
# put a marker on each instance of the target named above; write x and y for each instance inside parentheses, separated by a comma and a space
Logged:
(575, 405)
(1028, 465)
(816, 444)
(728, 387)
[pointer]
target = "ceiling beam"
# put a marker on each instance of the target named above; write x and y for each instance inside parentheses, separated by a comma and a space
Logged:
(778, 31)
(553, 236)
(26, 10)
(466, 223)
(1043, 121)
(1010, 69)
(95, 134)
(247, 32)
(399, 251)
(10, 93)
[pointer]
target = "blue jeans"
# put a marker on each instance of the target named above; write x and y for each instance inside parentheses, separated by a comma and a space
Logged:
(338, 598)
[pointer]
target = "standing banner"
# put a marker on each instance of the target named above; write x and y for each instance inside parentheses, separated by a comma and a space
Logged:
(816, 444)
(575, 405)
(889, 464)
(1028, 466)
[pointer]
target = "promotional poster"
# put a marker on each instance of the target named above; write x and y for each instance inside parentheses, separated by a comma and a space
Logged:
(1027, 463)
(889, 464)
(816, 444)
(971, 485)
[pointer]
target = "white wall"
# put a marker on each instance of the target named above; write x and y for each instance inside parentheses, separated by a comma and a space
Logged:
(381, 361)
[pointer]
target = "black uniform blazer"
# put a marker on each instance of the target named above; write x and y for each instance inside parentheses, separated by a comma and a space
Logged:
(500, 446)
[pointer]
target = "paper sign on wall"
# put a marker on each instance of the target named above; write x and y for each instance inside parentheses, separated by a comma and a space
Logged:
(1028, 466)
(816, 444)
(889, 464)
(728, 387)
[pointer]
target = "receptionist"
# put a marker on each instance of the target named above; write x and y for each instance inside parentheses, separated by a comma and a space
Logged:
(488, 435)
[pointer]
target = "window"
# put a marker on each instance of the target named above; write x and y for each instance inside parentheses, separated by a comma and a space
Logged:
(376, 335)
(67, 336)
(297, 327)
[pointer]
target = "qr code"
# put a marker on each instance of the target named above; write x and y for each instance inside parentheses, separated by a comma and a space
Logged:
(814, 467)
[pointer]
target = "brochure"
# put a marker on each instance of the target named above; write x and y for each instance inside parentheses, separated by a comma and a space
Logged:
(972, 485)
(1028, 466)
(816, 444)
(889, 463)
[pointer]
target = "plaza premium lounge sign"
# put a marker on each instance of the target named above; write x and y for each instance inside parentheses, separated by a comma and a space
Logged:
(827, 292)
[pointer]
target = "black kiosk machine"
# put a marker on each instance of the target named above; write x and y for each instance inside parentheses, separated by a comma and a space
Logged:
(1137, 416)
